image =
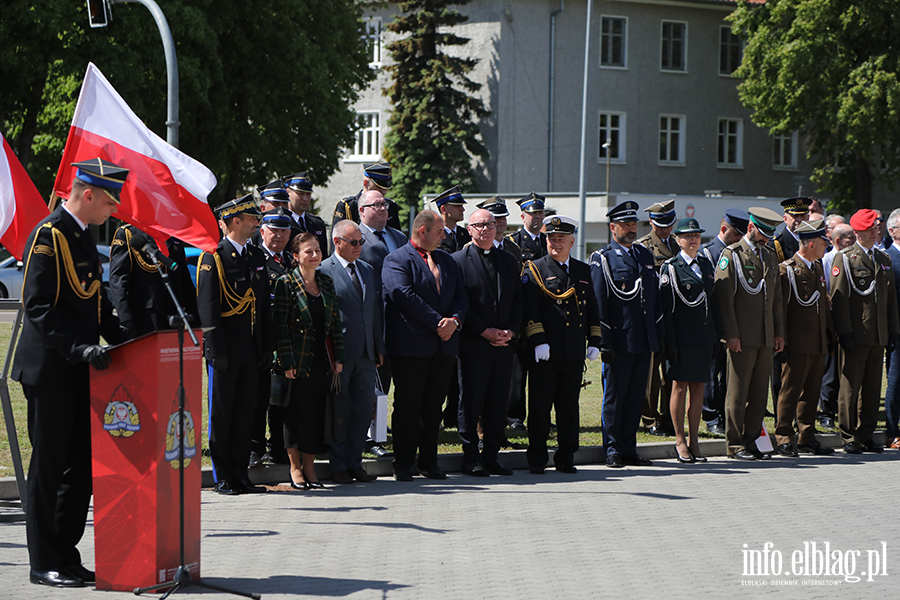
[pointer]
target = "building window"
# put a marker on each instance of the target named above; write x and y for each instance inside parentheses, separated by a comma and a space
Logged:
(368, 137)
(731, 133)
(613, 40)
(372, 37)
(674, 46)
(785, 151)
(731, 51)
(671, 139)
(612, 129)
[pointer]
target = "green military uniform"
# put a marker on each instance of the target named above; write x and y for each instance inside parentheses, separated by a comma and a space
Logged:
(864, 306)
(749, 307)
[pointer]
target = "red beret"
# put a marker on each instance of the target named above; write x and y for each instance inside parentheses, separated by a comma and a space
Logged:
(863, 219)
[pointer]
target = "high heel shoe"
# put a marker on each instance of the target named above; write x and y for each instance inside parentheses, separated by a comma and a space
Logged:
(696, 457)
(300, 486)
(682, 459)
(315, 485)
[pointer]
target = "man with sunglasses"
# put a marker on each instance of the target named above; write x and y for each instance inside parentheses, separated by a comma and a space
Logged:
(359, 301)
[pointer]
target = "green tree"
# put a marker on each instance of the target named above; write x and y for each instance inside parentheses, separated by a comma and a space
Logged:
(828, 69)
(266, 87)
(434, 137)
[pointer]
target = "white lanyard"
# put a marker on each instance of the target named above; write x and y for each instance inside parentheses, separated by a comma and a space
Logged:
(677, 290)
(813, 299)
(626, 296)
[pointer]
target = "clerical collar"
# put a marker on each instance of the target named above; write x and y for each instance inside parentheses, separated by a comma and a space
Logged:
(71, 214)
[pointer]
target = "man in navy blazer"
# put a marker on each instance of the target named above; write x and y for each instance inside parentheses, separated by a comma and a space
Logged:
(487, 345)
(425, 305)
(892, 393)
(359, 301)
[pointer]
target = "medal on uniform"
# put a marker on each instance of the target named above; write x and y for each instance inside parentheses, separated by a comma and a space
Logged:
(688, 286)
(862, 282)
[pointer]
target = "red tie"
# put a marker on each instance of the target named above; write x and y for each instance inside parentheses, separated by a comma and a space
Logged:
(435, 270)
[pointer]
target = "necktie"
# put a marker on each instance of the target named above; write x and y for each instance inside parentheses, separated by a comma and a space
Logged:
(277, 258)
(244, 253)
(380, 236)
(563, 267)
(435, 270)
(355, 279)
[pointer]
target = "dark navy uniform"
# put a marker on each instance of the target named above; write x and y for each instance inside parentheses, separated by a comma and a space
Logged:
(626, 286)
(309, 223)
(136, 289)
(531, 249)
(233, 299)
(560, 310)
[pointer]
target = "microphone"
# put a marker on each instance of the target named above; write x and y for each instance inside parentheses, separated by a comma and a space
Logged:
(152, 253)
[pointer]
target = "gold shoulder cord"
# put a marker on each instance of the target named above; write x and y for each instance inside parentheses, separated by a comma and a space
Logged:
(237, 305)
(137, 255)
(540, 281)
(779, 251)
(61, 248)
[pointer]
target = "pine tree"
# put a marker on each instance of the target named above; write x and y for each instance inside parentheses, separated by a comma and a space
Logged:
(434, 137)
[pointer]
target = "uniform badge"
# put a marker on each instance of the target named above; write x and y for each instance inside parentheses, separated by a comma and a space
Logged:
(525, 278)
(618, 252)
(173, 442)
(835, 271)
(42, 249)
(663, 280)
(121, 418)
(862, 282)
(723, 263)
(688, 286)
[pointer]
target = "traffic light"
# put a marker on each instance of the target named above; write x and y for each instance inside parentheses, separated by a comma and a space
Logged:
(97, 13)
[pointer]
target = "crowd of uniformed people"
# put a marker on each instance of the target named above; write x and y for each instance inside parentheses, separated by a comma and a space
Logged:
(301, 328)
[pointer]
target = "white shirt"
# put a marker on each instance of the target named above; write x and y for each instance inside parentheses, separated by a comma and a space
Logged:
(238, 247)
(692, 263)
(346, 265)
(827, 261)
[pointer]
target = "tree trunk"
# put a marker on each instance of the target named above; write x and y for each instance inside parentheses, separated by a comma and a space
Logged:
(863, 184)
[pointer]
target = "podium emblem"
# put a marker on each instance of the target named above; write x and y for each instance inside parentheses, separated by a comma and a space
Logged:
(173, 442)
(121, 418)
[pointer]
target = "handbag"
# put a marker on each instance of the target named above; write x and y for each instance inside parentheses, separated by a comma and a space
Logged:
(334, 420)
(279, 390)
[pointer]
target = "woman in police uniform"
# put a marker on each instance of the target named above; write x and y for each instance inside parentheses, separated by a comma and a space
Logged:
(686, 286)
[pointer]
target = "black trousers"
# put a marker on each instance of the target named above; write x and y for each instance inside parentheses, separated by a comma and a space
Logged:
(454, 393)
(58, 491)
(553, 383)
(484, 379)
(831, 383)
(232, 398)
(714, 390)
(517, 408)
(262, 412)
(420, 385)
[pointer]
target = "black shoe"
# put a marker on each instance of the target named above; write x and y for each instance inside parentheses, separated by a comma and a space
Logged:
(361, 475)
(518, 425)
(300, 486)
(852, 448)
(716, 430)
(826, 422)
(636, 460)
(433, 472)
(615, 461)
(743, 454)
(682, 459)
(226, 489)
(402, 474)
(787, 450)
(82, 573)
(378, 451)
(871, 446)
(567, 469)
(475, 469)
(760, 455)
(247, 487)
(342, 477)
(496, 468)
(53, 578)
(657, 431)
(255, 460)
(814, 448)
(536, 470)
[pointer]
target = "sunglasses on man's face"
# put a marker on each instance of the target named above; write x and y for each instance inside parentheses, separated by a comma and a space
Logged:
(353, 243)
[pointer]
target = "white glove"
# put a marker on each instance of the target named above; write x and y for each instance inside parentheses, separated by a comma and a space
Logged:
(592, 353)
(542, 352)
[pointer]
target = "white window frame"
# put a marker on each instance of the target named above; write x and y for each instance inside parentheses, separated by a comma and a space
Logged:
(374, 38)
(358, 152)
(721, 73)
(604, 134)
(738, 136)
(682, 135)
(778, 151)
(624, 65)
(662, 42)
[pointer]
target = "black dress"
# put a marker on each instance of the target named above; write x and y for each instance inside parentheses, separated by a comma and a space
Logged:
(304, 425)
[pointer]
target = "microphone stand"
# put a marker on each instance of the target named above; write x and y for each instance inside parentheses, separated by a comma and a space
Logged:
(182, 578)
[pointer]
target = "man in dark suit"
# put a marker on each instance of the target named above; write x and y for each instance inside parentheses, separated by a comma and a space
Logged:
(361, 315)
(299, 189)
(66, 311)
(274, 233)
(136, 288)
(731, 229)
(491, 280)
(563, 318)
(627, 288)
(892, 393)
(233, 301)
(450, 204)
(425, 305)
(377, 178)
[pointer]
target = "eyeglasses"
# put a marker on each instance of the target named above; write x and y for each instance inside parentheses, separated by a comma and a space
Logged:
(485, 225)
(353, 243)
(376, 206)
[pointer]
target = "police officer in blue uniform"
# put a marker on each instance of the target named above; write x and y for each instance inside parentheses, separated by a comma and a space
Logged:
(731, 229)
(626, 285)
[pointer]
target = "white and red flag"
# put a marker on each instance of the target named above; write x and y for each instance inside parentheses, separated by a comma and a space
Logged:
(21, 205)
(166, 190)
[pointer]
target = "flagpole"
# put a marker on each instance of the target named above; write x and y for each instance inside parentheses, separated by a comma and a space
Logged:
(171, 65)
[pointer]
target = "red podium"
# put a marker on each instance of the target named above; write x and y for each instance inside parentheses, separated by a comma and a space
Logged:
(134, 440)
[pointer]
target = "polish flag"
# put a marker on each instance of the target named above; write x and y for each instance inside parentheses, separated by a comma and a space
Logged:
(166, 190)
(21, 205)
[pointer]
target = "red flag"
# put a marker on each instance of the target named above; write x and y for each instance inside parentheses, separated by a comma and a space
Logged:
(166, 190)
(21, 205)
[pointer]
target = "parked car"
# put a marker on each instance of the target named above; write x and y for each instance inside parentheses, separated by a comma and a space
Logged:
(13, 271)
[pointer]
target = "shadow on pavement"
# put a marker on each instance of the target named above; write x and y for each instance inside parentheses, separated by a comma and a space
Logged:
(301, 585)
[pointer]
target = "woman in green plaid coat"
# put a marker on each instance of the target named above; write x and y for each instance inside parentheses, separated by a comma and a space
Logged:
(310, 350)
